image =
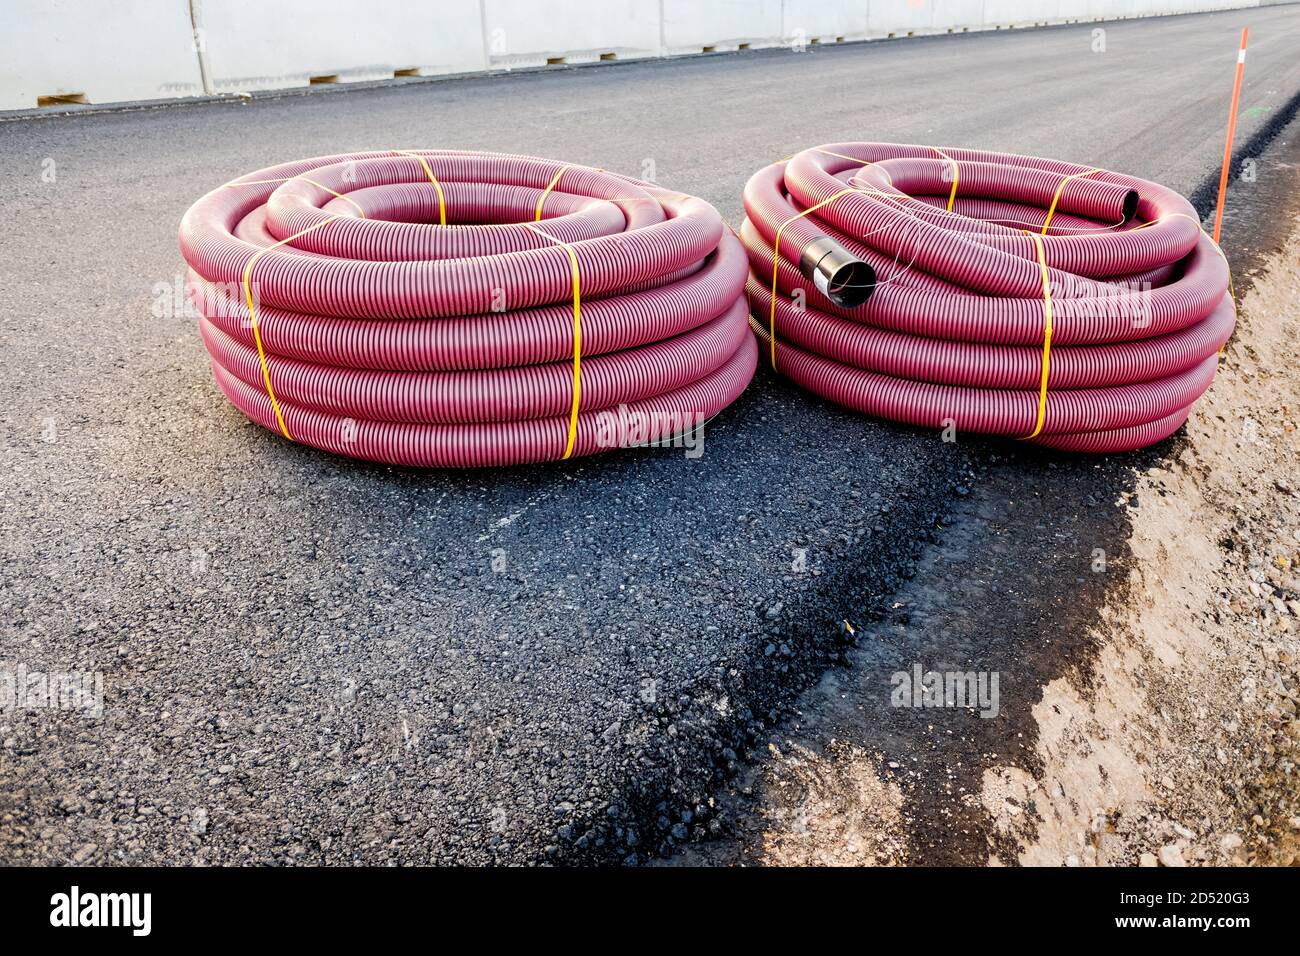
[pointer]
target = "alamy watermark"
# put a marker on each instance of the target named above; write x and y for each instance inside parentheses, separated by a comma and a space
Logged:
(75, 908)
(80, 691)
(626, 427)
(187, 298)
(973, 690)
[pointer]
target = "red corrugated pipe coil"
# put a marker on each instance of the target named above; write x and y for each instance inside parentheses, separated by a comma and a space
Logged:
(920, 292)
(418, 307)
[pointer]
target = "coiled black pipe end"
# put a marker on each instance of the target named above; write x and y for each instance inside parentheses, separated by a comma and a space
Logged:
(838, 274)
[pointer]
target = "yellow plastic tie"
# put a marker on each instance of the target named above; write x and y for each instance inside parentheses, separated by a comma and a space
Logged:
(776, 261)
(952, 196)
(1174, 215)
(852, 159)
(252, 315)
(1051, 210)
(289, 179)
(577, 338)
(428, 171)
(347, 199)
(1047, 336)
(258, 182)
(547, 191)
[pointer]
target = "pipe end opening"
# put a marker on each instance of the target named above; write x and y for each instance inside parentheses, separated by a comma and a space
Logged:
(838, 274)
(851, 284)
(1130, 204)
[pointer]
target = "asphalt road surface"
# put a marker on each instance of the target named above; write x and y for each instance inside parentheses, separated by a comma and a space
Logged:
(307, 659)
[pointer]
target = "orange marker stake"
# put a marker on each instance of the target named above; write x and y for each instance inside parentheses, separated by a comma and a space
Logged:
(1232, 127)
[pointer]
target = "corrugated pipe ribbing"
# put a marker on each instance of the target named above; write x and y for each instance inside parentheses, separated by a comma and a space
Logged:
(918, 285)
(418, 307)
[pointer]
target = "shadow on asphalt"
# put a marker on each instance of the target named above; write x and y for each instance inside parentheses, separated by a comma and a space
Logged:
(1013, 584)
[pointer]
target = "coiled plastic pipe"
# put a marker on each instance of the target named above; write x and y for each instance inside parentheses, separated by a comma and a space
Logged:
(918, 295)
(418, 307)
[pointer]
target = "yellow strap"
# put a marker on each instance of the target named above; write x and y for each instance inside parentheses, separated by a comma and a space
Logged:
(428, 171)
(1051, 210)
(1173, 215)
(346, 199)
(831, 152)
(577, 338)
(1047, 336)
(776, 260)
(289, 179)
(258, 182)
(252, 315)
(952, 196)
(547, 191)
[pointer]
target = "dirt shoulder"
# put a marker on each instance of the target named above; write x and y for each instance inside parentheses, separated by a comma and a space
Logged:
(1143, 616)
(1185, 748)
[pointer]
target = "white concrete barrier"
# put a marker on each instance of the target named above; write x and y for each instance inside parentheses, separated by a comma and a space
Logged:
(260, 45)
(524, 33)
(54, 51)
(82, 51)
(692, 27)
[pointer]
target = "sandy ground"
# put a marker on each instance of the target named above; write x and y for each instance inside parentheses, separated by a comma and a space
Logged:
(1184, 750)
(1173, 741)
